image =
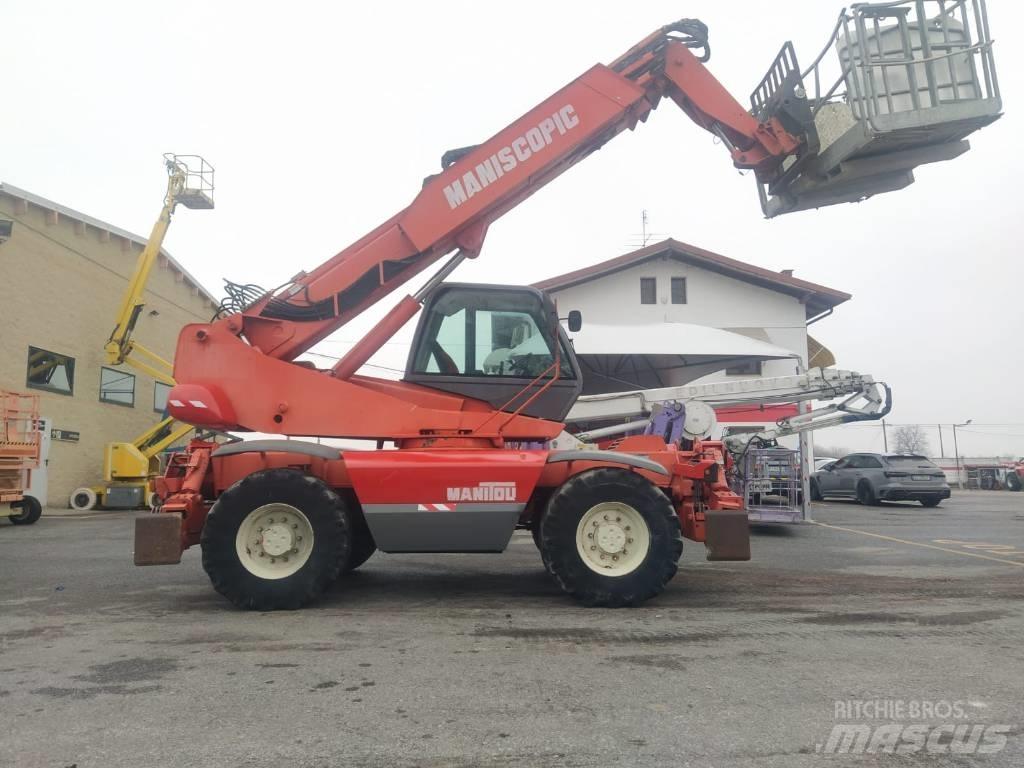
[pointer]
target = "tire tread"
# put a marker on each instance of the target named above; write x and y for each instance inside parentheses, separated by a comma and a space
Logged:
(332, 546)
(558, 538)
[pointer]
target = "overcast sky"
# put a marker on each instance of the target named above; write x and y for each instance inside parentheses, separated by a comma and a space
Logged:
(323, 118)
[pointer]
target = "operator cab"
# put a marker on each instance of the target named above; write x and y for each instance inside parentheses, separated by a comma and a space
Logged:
(489, 342)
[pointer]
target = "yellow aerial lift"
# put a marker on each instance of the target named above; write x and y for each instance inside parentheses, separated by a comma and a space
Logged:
(127, 467)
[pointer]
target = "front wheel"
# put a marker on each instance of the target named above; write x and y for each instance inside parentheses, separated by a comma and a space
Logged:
(276, 540)
(610, 538)
(31, 511)
(1013, 481)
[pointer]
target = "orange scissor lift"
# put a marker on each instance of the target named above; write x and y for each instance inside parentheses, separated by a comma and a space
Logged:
(19, 455)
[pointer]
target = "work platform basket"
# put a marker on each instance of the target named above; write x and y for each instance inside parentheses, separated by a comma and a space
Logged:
(19, 443)
(196, 179)
(769, 482)
(899, 84)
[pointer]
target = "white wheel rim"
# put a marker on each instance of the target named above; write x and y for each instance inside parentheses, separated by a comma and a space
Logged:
(274, 541)
(612, 538)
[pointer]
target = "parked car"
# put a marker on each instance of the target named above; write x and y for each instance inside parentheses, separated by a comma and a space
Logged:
(874, 477)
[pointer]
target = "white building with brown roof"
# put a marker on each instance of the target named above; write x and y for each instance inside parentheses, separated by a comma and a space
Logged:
(679, 285)
(674, 282)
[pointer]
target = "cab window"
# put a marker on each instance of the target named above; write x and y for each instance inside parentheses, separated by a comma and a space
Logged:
(470, 334)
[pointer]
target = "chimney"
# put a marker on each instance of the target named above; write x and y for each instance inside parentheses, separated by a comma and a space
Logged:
(786, 272)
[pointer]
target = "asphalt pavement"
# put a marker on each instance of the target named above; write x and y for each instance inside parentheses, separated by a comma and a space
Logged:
(479, 660)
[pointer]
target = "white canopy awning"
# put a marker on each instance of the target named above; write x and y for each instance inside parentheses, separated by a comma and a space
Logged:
(617, 358)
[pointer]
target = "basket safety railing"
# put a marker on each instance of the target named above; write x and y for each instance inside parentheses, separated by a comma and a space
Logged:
(769, 480)
(930, 53)
(196, 180)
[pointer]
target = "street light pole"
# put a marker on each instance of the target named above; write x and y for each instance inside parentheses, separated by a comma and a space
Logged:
(956, 450)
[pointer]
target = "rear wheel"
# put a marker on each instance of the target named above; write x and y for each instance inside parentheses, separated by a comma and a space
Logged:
(933, 502)
(610, 538)
(866, 495)
(1013, 481)
(276, 539)
(31, 511)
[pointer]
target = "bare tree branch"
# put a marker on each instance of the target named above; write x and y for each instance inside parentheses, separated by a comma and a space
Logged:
(910, 438)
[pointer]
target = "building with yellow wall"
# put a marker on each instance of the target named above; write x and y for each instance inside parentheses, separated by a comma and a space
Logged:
(63, 274)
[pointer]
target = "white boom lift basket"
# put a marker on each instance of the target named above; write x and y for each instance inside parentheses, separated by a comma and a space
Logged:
(915, 78)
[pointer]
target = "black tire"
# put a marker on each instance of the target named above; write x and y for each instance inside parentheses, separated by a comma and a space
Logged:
(363, 545)
(865, 495)
(931, 502)
(566, 509)
(1013, 481)
(535, 523)
(31, 511)
(535, 532)
(328, 516)
(816, 492)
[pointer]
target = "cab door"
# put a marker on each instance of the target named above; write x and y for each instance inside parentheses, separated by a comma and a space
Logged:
(497, 344)
(828, 481)
(850, 474)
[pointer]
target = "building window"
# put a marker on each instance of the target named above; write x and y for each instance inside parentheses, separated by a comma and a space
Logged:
(160, 393)
(50, 371)
(648, 290)
(117, 387)
(750, 368)
(678, 290)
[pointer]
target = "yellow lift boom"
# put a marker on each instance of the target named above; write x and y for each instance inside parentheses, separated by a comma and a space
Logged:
(127, 467)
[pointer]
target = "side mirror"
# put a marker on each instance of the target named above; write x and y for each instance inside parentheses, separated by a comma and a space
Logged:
(575, 320)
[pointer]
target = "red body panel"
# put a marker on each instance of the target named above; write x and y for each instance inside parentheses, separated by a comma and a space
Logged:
(241, 387)
(430, 477)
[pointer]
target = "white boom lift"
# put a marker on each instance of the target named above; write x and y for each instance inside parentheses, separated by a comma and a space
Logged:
(693, 405)
(766, 476)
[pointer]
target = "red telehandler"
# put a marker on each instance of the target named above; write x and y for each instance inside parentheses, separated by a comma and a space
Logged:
(491, 374)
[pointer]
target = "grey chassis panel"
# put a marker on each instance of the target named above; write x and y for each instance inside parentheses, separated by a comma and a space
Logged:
(470, 528)
(614, 457)
(123, 497)
(281, 446)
